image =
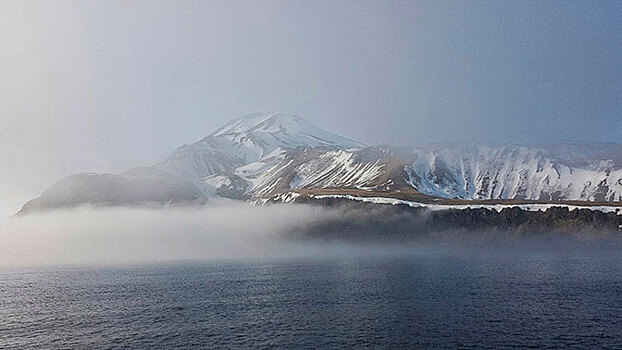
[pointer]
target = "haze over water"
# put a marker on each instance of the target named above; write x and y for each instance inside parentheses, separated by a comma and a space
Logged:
(201, 278)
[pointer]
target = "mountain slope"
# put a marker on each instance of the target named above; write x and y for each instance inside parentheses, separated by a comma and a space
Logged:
(470, 172)
(510, 172)
(278, 156)
(258, 137)
(140, 186)
(369, 169)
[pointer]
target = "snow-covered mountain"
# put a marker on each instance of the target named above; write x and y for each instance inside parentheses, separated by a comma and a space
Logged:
(226, 162)
(457, 172)
(512, 172)
(367, 169)
(277, 155)
(258, 137)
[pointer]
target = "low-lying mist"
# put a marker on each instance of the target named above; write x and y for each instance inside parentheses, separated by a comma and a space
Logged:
(114, 236)
(90, 235)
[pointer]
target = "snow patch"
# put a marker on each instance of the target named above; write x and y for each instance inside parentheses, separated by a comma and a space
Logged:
(496, 207)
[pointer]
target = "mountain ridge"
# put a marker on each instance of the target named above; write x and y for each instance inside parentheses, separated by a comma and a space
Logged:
(266, 155)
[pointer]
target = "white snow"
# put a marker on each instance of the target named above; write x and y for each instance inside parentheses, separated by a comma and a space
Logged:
(212, 183)
(376, 200)
(255, 136)
(506, 172)
(497, 207)
(287, 197)
(335, 169)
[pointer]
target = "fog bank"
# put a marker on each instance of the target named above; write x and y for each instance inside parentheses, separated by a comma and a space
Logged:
(131, 235)
(230, 230)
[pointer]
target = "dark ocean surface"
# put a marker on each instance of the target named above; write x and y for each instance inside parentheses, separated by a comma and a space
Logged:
(543, 294)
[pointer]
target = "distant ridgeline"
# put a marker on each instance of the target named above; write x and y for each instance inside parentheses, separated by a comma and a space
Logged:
(277, 157)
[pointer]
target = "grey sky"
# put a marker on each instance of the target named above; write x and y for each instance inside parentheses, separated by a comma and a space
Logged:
(106, 85)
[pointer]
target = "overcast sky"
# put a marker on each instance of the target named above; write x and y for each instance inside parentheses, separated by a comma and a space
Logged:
(107, 85)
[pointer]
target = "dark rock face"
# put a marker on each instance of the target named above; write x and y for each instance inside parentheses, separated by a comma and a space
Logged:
(515, 219)
(235, 190)
(133, 187)
(377, 221)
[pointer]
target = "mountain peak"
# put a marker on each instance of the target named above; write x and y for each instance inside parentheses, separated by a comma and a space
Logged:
(264, 122)
(248, 139)
(256, 135)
